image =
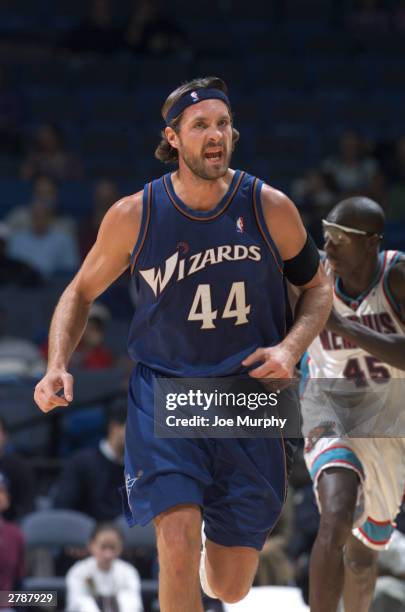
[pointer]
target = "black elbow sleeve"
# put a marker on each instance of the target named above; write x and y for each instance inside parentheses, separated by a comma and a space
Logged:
(300, 269)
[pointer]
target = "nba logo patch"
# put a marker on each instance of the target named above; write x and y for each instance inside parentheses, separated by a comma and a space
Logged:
(240, 225)
(194, 96)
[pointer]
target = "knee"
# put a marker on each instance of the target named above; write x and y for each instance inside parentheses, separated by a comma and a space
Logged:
(179, 539)
(335, 527)
(231, 593)
(363, 566)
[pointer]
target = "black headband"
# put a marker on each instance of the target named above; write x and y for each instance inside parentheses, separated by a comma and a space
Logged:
(193, 97)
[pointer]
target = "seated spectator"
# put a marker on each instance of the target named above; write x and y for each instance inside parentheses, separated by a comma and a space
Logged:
(11, 116)
(152, 31)
(103, 582)
(12, 549)
(13, 271)
(49, 156)
(44, 246)
(105, 194)
(396, 194)
(352, 169)
(20, 479)
(92, 352)
(97, 33)
(18, 357)
(92, 478)
(45, 189)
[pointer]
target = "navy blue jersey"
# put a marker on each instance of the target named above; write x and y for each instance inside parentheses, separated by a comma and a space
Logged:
(208, 286)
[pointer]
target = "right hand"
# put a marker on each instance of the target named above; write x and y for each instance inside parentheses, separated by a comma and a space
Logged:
(47, 388)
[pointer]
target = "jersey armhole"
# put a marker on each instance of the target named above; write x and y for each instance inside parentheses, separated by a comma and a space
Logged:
(146, 207)
(261, 224)
(387, 291)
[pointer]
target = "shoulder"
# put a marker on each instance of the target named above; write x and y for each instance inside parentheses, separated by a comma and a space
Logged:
(276, 202)
(126, 570)
(128, 208)
(283, 221)
(81, 568)
(14, 532)
(123, 219)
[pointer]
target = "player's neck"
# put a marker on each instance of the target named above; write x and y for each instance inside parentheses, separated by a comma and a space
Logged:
(360, 279)
(198, 193)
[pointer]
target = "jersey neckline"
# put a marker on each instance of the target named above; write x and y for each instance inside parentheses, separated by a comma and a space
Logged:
(202, 215)
(355, 301)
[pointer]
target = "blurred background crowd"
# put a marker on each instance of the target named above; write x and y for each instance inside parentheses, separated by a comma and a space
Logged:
(318, 92)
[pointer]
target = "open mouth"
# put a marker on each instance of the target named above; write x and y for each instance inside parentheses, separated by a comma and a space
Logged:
(214, 155)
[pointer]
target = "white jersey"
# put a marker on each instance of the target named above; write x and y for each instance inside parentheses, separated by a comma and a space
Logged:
(349, 395)
(331, 356)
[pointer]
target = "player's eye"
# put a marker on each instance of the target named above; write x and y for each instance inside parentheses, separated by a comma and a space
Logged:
(223, 122)
(199, 125)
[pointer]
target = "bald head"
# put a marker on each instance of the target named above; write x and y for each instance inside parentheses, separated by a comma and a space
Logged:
(359, 213)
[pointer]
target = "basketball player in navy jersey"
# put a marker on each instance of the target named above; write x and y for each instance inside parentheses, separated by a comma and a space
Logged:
(359, 481)
(209, 249)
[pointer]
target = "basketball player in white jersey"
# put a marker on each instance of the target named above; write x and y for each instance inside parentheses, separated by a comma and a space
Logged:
(359, 481)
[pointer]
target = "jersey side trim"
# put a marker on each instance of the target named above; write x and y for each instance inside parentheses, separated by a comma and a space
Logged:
(146, 208)
(388, 293)
(261, 224)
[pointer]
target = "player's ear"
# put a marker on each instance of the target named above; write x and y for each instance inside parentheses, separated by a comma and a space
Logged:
(172, 137)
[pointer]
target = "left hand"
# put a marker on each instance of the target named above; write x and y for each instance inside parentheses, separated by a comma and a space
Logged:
(334, 323)
(278, 362)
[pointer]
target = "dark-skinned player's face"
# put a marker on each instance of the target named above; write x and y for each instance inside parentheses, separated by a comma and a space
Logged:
(348, 254)
(204, 142)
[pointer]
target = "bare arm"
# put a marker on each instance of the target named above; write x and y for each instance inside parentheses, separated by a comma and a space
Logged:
(315, 299)
(107, 260)
(389, 348)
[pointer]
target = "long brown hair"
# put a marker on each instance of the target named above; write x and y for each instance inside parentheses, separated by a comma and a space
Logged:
(164, 151)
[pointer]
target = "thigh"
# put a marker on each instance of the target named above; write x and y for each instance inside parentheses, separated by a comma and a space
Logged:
(160, 473)
(237, 564)
(247, 495)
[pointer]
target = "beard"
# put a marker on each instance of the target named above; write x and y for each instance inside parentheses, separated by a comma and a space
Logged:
(199, 166)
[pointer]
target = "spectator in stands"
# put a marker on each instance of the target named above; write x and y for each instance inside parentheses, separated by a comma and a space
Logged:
(103, 582)
(49, 156)
(92, 352)
(11, 115)
(44, 189)
(396, 174)
(12, 551)
(43, 245)
(105, 194)
(20, 479)
(14, 271)
(19, 358)
(352, 170)
(96, 34)
(92, 478)
(152, 31)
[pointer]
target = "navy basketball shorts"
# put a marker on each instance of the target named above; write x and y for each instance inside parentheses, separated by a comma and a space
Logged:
(239, 483)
